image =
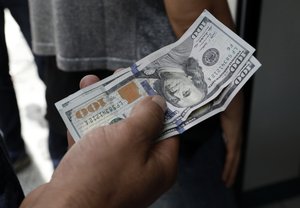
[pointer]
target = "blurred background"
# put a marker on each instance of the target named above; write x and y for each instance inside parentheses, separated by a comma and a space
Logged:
(30, 91)
(269, 175)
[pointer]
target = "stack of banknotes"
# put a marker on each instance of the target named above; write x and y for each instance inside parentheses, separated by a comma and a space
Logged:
(198, 75)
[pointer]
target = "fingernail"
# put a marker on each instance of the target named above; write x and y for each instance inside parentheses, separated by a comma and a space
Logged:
(160, 101)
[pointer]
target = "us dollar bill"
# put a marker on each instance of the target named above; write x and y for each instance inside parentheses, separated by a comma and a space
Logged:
(194, 70)
(81, 94)
(218, 105)
(189, 74)
(77, 110)
(104, 106)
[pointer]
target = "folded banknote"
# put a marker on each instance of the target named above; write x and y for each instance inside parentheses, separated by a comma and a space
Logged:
(198, 75)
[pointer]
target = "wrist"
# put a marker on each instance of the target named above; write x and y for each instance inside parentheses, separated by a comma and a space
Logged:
(52, 194)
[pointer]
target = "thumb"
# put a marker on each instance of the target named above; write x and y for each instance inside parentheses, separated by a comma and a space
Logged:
(162, 156)
(147, 117)
(88, 80)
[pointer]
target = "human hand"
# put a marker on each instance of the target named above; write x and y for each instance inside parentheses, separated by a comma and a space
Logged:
(232, 160)
(119, 165)
(232, 126)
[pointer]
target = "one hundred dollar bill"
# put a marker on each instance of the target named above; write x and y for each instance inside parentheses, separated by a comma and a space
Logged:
(218, 105)
(189, 74)
(94, 88)
(194, 70)
(102, 107)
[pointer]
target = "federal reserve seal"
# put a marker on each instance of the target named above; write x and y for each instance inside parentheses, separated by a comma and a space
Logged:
(210, 57)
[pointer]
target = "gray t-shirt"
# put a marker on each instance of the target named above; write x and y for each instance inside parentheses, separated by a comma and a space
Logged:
(99, 34)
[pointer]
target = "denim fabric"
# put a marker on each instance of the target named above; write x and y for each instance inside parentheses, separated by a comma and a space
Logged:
(57, 145)
(11, 194)
(199, 183)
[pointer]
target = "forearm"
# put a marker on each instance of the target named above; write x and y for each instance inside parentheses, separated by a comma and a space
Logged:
(67, 188)
(232, 118)
(50, 195)
(182, 13)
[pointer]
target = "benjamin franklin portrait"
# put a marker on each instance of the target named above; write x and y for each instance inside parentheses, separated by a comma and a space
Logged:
(178, 77)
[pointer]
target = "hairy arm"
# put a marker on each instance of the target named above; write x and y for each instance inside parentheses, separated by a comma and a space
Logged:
(117, 165)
